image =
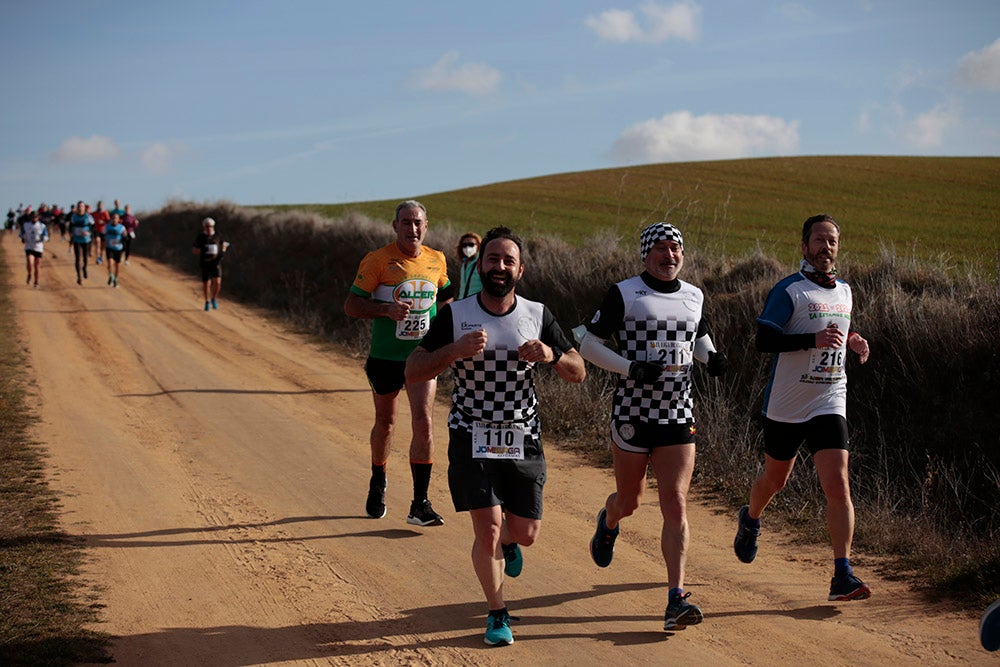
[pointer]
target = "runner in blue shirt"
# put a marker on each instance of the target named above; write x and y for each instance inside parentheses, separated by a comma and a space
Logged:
(114, 244)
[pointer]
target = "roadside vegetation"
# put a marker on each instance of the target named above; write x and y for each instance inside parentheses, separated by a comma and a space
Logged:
(42, 616)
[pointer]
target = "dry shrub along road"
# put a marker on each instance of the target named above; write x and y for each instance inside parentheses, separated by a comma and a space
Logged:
(215, 466)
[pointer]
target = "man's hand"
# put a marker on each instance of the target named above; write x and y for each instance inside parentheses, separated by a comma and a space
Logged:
(397, 311)
(831, 336)
(717, 364)
(859, 346)
(644, 372)
(535, 351)
(471, 344)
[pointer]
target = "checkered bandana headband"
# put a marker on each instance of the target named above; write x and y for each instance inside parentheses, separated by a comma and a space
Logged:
(658, 231)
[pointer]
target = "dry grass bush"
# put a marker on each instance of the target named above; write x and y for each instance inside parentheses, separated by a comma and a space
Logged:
(925, 451)
(45, 613)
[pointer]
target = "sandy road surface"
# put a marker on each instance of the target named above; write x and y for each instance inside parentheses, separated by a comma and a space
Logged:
(215, 465)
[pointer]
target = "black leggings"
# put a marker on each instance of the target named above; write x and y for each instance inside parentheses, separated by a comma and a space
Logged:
(127, 240)
(80, 250)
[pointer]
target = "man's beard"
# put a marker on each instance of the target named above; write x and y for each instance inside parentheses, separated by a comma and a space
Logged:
(498, 289)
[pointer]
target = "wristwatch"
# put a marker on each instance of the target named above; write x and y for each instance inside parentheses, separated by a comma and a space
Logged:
(556, 356)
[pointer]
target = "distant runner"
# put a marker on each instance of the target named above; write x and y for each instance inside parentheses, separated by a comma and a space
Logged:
(34, 234)
(114, 234)
(81, 226)
(210, 248)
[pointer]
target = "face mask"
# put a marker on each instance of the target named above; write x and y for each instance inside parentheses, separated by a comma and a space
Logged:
(469, 250)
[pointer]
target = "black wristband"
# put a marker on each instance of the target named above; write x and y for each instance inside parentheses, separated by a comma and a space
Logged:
(556, 356)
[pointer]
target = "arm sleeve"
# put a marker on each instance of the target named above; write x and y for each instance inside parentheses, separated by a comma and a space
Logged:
(593, 349)
(770, 339)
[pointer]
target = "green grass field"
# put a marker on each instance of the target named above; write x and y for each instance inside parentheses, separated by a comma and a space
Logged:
(928, 208)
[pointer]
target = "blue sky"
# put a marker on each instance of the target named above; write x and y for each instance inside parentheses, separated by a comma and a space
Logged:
(302, 101)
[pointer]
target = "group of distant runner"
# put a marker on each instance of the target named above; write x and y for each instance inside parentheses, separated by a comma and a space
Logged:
(106, 234)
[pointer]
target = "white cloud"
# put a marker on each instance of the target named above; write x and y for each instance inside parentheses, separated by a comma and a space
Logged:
(929, 128)
(158, 157)
(90, 149)
(981, 69)
(658, 24)
(682, 136)
(450, 76)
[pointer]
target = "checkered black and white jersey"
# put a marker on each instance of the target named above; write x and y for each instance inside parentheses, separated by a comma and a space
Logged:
(653, 325)
(495, 386)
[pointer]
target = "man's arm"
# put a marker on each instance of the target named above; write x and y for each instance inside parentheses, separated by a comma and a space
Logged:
(368, 309)
(769, 339)
(570, 366)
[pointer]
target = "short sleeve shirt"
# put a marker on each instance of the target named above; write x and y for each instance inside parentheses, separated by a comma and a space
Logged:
(80, 227)
(113, 236)
(210, 246)
(807, 383)
(387, 275)
(495, 386)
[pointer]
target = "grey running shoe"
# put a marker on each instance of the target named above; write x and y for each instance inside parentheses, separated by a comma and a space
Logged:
(602, 544)
(422, 514)
(681, 613)
(375, 505)
(848, 587)
(745, 544)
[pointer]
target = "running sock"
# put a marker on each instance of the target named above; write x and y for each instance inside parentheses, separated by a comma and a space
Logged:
(842, 566)
(378, 474)
(498, 613)
(750, 522)
(421, 480)
(679, 592)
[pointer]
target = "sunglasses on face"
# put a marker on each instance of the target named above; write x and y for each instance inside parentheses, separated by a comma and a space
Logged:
(469, 245)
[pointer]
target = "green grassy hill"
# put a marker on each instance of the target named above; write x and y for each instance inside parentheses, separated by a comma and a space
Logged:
(923, 206)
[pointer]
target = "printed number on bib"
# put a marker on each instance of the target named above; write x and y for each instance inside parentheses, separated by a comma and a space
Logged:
(414, 327)
(826, 366)
(674, 355)
(498, 441)
(211, 249)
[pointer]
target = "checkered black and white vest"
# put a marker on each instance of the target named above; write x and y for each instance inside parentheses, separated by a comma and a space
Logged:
(495, 386)
(653, 317)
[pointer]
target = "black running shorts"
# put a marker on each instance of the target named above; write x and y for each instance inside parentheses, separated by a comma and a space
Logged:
(782, 439)
(480, 483)
(643, 437)
(385, 376)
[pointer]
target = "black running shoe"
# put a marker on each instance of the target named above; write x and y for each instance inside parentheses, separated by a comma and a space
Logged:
(422, 514)
(848, 587)
(602, 544)
(745, 544)
(375, 505)
(680, 613)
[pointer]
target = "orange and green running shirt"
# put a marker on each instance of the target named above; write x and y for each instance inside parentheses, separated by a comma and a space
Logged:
(387, 275)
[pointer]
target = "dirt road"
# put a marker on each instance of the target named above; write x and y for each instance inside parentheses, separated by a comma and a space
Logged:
(215, 466)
